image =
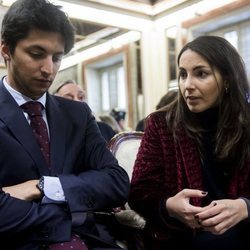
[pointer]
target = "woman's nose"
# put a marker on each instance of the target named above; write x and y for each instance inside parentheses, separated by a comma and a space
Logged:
(189, 82)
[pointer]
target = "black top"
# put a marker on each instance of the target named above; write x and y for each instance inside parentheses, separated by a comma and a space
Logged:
(140, 125)
(214, 172)
(215, 177)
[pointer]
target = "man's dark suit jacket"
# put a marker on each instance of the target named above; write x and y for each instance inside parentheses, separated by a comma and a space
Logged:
(90, 176)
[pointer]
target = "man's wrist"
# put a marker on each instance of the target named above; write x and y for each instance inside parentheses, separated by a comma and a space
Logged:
(40, 185)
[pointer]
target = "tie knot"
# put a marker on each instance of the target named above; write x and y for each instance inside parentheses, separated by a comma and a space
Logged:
(32, 108)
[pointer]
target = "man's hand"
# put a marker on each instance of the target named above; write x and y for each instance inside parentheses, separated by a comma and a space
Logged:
(24, 191)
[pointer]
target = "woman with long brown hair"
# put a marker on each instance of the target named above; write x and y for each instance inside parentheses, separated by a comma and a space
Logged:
(191, 179)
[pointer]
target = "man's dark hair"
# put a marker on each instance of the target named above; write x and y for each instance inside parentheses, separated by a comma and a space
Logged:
(24, 15)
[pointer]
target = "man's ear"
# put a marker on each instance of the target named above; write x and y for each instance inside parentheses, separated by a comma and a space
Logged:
(5, 52)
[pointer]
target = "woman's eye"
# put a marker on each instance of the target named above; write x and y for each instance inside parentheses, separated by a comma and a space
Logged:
(202, 74)
(81, 98)
(68, 96)
(182, 75)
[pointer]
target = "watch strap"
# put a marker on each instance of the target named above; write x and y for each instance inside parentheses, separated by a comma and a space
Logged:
(40, 185)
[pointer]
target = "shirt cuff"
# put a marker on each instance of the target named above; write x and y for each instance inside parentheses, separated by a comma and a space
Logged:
(53, 189)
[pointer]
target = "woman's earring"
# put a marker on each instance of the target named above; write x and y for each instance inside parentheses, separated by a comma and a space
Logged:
(226, 89)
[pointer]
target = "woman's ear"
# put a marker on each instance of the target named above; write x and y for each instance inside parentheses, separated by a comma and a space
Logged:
(5, 52)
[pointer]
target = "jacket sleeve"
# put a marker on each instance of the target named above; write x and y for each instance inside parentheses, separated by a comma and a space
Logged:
(42, 222)
(100, 182)
(148, 184)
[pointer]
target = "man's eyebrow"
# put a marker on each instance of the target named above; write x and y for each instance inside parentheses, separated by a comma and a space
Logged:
(38, 47)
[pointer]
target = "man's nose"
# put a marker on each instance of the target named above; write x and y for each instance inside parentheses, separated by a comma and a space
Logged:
(47, 66)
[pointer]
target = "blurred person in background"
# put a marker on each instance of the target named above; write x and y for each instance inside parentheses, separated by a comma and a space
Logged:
(166, 99)
(111, 121)
(119, 116)
(73, 91)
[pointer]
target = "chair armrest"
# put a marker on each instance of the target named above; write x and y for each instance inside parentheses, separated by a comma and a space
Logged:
(130, 218)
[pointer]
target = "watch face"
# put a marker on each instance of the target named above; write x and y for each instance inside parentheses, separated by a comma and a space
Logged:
(40, 184)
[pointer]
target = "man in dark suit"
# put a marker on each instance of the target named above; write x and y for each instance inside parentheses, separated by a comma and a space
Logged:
(49, 196)
(71, 90)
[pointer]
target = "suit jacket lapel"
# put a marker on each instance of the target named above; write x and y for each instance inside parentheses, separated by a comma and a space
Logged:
(13, 117)
(57, 126)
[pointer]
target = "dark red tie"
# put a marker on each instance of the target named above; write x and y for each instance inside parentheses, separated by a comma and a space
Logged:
(38, 125)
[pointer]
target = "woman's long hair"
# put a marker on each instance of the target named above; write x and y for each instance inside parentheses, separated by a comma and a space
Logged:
(232, 135)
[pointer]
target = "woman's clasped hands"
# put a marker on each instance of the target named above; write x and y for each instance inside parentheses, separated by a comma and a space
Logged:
(217, 217)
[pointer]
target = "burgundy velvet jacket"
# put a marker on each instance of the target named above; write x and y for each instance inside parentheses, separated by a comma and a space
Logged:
(164, 167)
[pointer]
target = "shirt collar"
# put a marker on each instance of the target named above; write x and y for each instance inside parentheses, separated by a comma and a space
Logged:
(20, 98)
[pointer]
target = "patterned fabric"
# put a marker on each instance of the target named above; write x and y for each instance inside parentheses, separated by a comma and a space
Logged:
(38, 125)
(164, 167)
(76, 243)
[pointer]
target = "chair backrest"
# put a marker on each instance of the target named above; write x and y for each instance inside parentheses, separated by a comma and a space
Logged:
(124, 147)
